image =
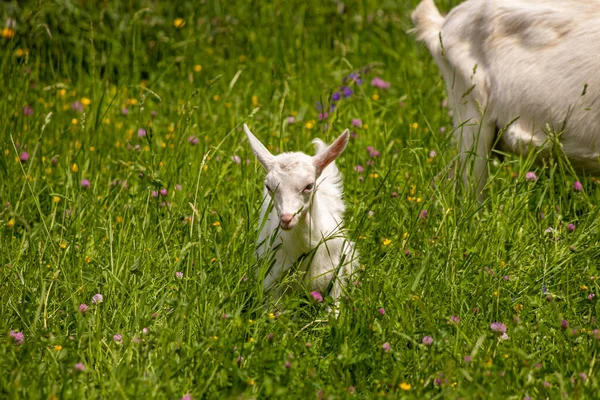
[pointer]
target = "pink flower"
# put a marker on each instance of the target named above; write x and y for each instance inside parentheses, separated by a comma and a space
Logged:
(118, 338)
(187, 397)
(83, 308)
(591, 296)
(467, 359)
(577, 186)
(531, 177)
(423, 214)
(291, 120)
(380, 83)
(18, 337)
(381, 311)
(77, 107)
(359, 168)
(154, 194)
(236, 159)
(145, 331)
(97, 299)
(24, 156)
(386, 347)
(193, 140)
(427, 340)
(27, 110)
(85, 183)
(372, 152)
(164, 192)
(323, 116)
(356, 122)
(141, 132)
(179, 275)
(317, 296)
(455, 319)
(79, 367)
(564, 324)
(178, 187)
(498, 327)
(124, 111)
(572, 227)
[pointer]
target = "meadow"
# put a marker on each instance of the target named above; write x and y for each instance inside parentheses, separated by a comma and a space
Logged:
(129, 206)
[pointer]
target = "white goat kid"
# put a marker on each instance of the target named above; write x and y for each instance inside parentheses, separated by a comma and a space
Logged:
(536, 61)
(304, 224)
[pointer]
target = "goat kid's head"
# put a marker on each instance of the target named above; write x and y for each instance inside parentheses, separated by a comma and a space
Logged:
(291, 177)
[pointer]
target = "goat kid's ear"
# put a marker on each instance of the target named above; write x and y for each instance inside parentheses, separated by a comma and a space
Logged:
(323, 159)
(261, 152)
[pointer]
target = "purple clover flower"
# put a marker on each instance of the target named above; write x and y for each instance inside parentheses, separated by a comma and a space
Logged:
(381, 311)
(193, 140)
(124, 111)
(356, 122)
(141, 132)
(18, 337)
(118, 338)
(531, 176)
(380, 83)
(577, 186)
(317, 296)
(97, 299)
(77, 107)
(372, 152)
(79, 367)
(386, 347)
(27, 110)
(179, 275)
(83, 308)
(24, 157)
(427, 340)
(571, 228)
(85, 183)
(498, 327)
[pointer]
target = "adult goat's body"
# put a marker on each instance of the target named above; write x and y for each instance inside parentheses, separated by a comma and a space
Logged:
(517, 67)
(301, 217)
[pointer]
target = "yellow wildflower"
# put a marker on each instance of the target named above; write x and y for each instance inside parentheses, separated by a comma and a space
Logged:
(197, 68)
(405, 386)
(55, 199)
(85, 101)
(63, 245)
(58, 347)
(88, 259)
(212, 260)
(74, 168)
(119, 219)
(251, 340)
(414, 125)
(74, 121)
(178, 23)
(216, 223)
(386, 241)
(310, 124)
(251, 382)
(583, 287)
(216, 97)
(8, 33)
(11, 222)
(254, 101)
(375, 97)
(62, 92)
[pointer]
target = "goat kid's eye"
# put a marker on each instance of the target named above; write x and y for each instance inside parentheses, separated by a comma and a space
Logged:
(309, 188)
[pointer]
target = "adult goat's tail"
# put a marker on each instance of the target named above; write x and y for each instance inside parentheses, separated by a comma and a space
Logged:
(428, 23)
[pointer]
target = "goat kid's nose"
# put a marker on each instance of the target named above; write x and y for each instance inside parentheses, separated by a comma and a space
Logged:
(287, 218)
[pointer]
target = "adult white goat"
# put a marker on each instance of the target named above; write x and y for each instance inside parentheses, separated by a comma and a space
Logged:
(304, 224)
(517, 67)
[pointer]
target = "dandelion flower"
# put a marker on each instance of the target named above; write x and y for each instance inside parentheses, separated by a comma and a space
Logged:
(405, 386)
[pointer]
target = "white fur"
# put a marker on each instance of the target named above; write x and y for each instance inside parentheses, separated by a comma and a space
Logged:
(316, 228)
(525, 59)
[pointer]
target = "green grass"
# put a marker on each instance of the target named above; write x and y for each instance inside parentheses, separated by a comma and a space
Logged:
(209, 334)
